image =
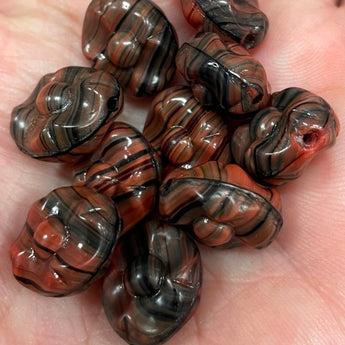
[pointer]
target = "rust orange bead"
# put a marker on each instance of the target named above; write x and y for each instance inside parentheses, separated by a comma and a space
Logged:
(67, 114)
(126, 169)
(66, 242)
(222, 206)
(134, 41)
(282, 139)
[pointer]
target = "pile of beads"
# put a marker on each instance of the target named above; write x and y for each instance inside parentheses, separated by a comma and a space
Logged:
(139, 202)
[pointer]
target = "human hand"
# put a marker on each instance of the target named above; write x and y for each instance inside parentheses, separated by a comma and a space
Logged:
(291, 292)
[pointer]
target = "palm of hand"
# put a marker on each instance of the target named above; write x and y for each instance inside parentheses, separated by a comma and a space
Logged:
(290, 293)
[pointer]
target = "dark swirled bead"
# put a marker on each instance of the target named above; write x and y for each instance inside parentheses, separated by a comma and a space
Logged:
(66, 242)
(153, 285)
(223, 206)
(223, 74)
(185, 133)
(240, 20)
(67, 114)
(126, 169)
(283, 138)
(133, 40)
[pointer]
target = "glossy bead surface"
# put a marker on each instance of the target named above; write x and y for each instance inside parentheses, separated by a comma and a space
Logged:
(185, 133)
(66, 241)
(223, 74)
(153, 284)
(282, 139)
(241, 20)
(134, 41)
(67, 114)
(223, 207)
(126, 169)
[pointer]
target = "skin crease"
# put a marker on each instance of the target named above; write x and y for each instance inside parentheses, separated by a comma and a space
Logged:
(290, 293)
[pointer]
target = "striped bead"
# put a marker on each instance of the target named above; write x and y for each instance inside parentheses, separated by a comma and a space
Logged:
(185, 133)
(134, 41)
(223, 207)
(282, 139)
(67, 114)
(240, 20)
(223, 74)
(66, 241)
(153, 285)
(126, 169)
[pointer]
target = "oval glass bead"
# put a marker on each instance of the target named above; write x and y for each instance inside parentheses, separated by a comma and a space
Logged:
(223, 207)
(241, 20)
(185, 133)
(134, 41)
(223, 74)
(125, 168)
(282, 139)
(67, 114)
(66, 242)
(153, 285)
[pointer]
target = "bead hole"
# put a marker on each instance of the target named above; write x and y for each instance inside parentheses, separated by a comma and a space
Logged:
(257, 99)
(249, 41)
(167, 185)
(112, 104)
(310, 138)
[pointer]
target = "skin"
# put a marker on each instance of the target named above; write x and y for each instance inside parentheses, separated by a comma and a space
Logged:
(290, 293)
